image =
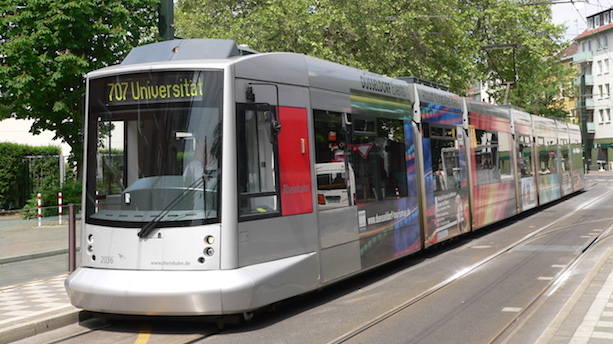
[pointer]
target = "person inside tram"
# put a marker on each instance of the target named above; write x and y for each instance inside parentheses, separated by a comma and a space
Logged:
(195, 168)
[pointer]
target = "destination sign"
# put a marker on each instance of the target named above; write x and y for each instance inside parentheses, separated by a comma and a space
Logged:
(154, 87)
(137, 90)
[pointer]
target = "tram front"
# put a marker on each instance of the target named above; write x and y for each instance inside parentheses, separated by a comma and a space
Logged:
(152, 194)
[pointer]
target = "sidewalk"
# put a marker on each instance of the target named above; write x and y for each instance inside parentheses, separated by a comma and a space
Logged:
(35, 307)
(23, 239)
(42, 305)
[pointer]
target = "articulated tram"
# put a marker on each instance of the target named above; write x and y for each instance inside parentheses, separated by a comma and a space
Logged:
(219, 180)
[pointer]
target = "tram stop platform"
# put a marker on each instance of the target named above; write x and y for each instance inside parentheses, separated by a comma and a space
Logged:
(41, 305)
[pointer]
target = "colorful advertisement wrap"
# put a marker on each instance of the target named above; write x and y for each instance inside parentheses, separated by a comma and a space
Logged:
(446, 179)
(577, 166)
(388, 219)
(528, 193)
(492, 169)
(548, 175)
(388, 229)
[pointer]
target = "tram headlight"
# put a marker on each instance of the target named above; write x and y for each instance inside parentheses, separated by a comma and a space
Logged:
(90, 238)
(209, 251)
(209, 239)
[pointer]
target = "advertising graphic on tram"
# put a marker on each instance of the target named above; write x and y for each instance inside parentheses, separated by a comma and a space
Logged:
(445, 170)
(492, 169)
(386, 192)
(547, 159)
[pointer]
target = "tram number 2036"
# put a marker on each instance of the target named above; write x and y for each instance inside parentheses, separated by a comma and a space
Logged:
(106, 260)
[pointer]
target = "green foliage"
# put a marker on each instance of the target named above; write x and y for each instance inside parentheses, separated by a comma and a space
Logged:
(112, 162)
(455, 43)
(47, 46)
(14, 180)
(396, 38)
(71, 193)
(522, 47)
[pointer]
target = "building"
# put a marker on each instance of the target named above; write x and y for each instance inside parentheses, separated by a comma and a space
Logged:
(569, 98)
(594, 61)
(18, 131)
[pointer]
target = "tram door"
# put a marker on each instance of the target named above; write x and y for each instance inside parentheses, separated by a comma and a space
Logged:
(257, 157)
(273, 161)
(446, 182)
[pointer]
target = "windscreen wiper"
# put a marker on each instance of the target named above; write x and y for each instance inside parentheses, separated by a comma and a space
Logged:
(149, 227)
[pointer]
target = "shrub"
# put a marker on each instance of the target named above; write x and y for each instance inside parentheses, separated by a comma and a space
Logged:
(71, 193)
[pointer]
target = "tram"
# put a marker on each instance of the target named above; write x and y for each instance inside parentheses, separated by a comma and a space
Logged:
(219, 180)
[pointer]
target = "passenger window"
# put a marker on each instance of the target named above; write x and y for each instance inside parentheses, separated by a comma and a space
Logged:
(524, 153)
(335, 176)
(378, 157)
(492, 156)
(257, 161)
(445, 158)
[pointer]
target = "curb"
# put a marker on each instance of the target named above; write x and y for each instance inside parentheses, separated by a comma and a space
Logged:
(55, 321)
(36, 255)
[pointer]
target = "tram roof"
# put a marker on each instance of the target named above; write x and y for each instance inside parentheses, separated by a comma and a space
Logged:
(289, 68)
(487, 109)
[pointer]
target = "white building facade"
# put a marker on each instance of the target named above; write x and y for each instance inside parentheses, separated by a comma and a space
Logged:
(594, 62)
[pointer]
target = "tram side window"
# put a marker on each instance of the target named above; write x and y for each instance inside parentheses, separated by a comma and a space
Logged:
(378, 159)
(565, 155)
(524, 154)
(492, 156)
(111, 158)
(335, 177)
(547, 155)
(445, 158)
(256, 164)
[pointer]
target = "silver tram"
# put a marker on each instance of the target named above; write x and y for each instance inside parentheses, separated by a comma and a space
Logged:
(219, 180)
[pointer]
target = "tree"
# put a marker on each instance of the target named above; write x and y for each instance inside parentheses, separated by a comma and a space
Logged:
(396, 38)
(520, 49)
(46, 48)
(451, 42)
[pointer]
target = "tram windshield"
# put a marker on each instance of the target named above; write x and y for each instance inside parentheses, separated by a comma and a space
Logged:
(153, 149)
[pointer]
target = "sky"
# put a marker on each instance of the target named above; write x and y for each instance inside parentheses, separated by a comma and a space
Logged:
(573, 14)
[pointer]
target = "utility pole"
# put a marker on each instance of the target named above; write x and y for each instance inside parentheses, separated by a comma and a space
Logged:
(166, 24)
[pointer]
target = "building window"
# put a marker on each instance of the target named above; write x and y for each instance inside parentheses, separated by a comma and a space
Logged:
(606, 66)
(606, 18)
(597, 21)
(601, 112)
(599, 67)
(607, 94)
(608, 111)
(605, 41)
(600, 92)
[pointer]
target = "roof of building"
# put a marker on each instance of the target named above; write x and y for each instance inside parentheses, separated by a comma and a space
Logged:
(587, 33)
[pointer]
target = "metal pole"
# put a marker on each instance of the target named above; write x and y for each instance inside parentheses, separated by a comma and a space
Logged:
(72, 235)
(166, 24)
(40, 209)
(59, 207)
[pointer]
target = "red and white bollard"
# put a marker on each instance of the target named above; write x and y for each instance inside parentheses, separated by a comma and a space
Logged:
(59, 206)
(96, 203)
(40, 210)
